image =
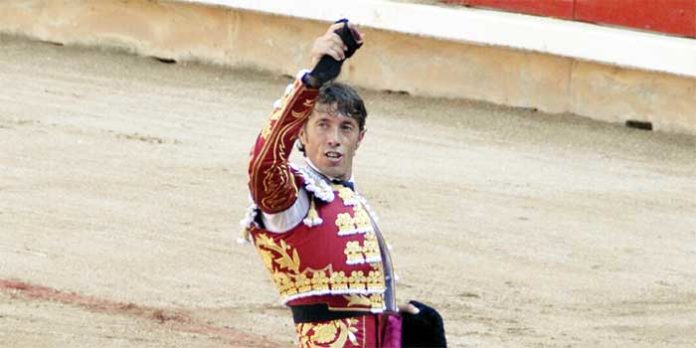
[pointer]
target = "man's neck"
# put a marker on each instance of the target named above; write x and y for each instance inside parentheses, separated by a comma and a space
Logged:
(316, 169)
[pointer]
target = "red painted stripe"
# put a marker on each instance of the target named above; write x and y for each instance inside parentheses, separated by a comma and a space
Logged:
(551, 8)
(177, 320)
(667, 16)
(677, 17)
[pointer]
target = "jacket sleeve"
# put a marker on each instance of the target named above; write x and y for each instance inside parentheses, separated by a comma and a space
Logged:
(271, 181)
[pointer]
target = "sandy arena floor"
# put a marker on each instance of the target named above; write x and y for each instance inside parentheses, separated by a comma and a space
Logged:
(122, 181)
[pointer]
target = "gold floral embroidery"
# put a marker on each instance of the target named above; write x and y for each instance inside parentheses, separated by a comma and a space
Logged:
(371, 248)
(303, 283)
(358, 223)
(375, 280)
(325, 333)
(354, 253)
(333, 334)
(271, 122)
(362, 220)
(339, 281)
(368, 252)
(293, 281)
(357, 281)
(284, 259)
(357, 300)
(345, 224)
(348, 196)
(374, 301)
(377, 301)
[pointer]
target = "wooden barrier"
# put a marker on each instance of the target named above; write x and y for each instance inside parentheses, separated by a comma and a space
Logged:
(520, 62)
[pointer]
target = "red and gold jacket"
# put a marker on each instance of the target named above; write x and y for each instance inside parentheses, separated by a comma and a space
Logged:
(335, 255)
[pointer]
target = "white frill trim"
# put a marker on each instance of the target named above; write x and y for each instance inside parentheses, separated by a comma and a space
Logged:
(351, 202)
(315, 184)
(355, 262)
(356, 231)
(250, 216)
(374, 259)
(287, 299)
(311, 222)
(378, 310)
(247, 222)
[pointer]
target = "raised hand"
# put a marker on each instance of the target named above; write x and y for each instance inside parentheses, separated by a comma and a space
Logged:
(329, 51)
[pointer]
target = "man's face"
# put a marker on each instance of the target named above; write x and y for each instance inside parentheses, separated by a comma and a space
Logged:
(330, 140)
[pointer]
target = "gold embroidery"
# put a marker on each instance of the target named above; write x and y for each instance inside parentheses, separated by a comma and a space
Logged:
(348, 196)
(320, 282)
(357, 281)
(275, 116)
(362, 220)
(274, 182)
(332, 334)
(354, 253)
(375, 280)
(357, 300)
(293, 281)
(371, 248)
(279, 183)
(283, 262)
(358, 223)
(374, 301)
(377, 301)
(345, 225)
(368, 252)
(303, 283)
(339, 281)
(325, 333)
(284, 283)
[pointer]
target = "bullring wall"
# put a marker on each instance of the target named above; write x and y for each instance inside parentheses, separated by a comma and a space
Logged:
(420, 62)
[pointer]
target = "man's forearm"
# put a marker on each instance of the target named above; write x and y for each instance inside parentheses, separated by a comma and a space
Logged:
(271, 182)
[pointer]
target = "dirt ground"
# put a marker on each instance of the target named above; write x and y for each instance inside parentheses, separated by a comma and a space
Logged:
(122, 181)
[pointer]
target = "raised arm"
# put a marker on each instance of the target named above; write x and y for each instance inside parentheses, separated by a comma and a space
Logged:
(271, 181)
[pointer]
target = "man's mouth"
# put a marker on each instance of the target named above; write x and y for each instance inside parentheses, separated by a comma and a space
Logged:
(333, 155)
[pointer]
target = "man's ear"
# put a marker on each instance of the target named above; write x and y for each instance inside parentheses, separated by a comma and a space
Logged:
(360, 137)
(302, 136)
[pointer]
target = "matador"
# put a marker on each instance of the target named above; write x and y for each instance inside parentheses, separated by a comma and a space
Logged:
(316, 234)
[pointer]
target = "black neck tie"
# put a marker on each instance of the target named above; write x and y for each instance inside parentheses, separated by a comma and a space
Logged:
(345, 183)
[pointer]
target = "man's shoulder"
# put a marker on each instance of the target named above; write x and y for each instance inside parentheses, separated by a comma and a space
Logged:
(313, 182)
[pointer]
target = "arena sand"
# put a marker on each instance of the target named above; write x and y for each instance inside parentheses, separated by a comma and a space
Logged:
(122, 181)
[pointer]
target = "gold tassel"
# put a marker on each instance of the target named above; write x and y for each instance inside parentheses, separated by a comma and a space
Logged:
(312, 218)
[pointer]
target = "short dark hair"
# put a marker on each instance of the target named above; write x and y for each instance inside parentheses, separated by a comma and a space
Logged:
(341, 99)
(345, 100)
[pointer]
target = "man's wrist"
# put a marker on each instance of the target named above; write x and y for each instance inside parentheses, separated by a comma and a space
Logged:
(311, 81)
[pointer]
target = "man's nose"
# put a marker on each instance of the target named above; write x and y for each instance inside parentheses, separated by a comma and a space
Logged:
(333, 138)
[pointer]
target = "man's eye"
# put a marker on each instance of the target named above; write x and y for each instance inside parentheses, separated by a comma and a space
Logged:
(347, 127)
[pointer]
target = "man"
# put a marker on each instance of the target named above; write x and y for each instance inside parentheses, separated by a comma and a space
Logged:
(315, 234)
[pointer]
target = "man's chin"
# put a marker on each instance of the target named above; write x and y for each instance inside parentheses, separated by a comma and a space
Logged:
(333, 171)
